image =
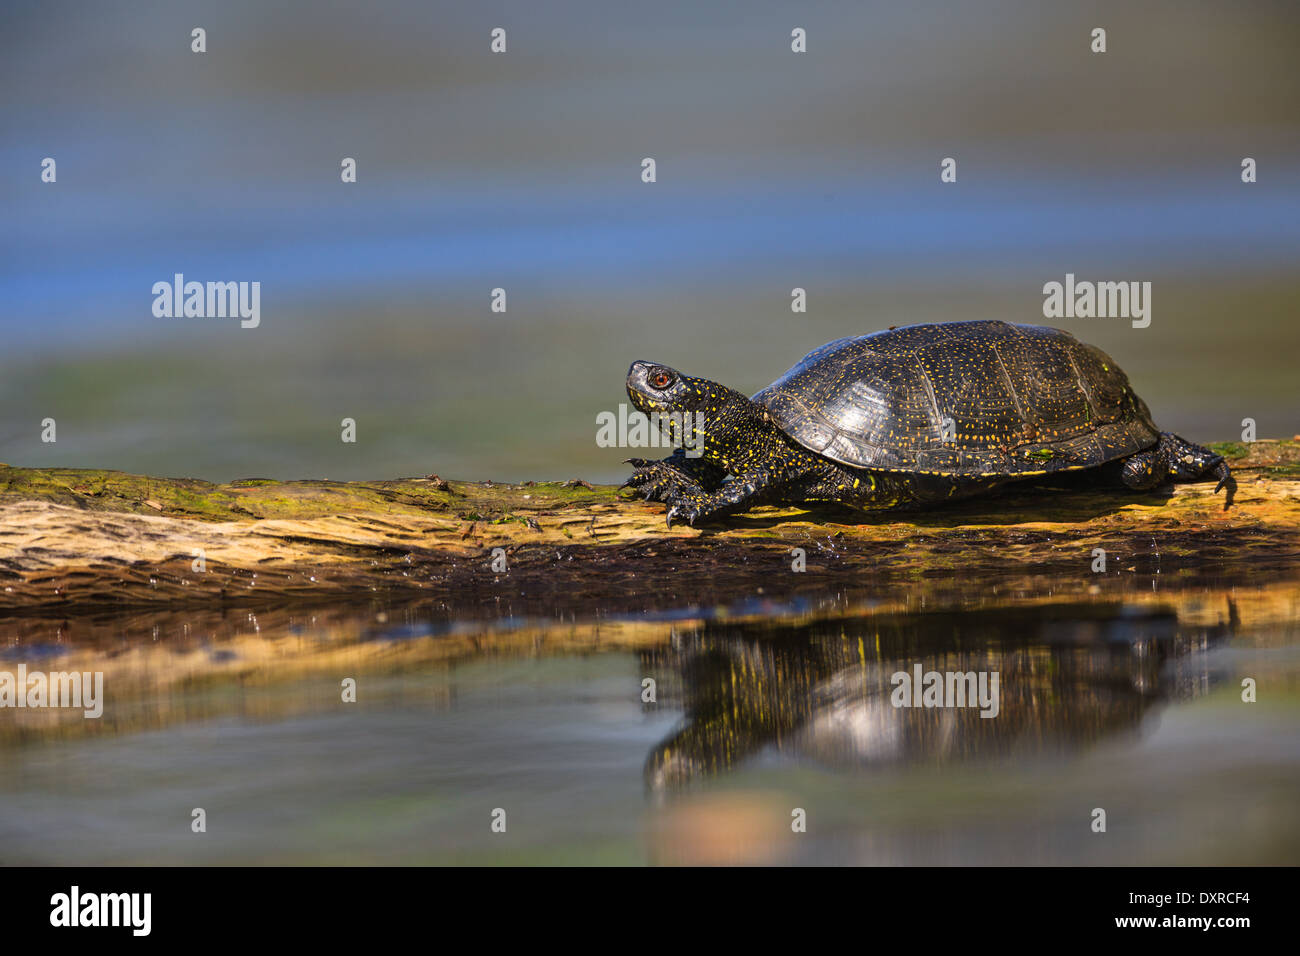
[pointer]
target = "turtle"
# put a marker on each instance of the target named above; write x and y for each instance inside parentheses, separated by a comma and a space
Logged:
(907, 418)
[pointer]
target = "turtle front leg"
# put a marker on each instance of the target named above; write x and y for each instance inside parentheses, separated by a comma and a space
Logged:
(675, 475)
(1176, 459)
(739, 494)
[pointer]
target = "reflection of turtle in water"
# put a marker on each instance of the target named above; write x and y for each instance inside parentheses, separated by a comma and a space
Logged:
(909, 417)
(822, 692)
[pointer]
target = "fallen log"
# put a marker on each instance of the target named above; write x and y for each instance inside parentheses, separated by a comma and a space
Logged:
(81, 539)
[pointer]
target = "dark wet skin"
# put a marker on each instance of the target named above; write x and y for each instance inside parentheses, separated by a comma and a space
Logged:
(745, 458)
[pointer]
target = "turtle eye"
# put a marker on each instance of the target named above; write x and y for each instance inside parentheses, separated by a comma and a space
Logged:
(660, 379)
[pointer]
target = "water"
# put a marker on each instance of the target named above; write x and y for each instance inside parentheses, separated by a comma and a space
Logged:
(1128, 703)
(522, 172)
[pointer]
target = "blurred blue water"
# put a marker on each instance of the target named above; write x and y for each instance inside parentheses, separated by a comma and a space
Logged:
(521, 171)
(101, 282)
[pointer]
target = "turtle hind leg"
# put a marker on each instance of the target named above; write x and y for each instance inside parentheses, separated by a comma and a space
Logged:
(1176, 459)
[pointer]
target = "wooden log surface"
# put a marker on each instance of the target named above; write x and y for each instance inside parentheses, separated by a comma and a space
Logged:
(80, 540)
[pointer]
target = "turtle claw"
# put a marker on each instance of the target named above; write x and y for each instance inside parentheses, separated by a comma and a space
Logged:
(1225, 481)
(1224, 475)
(688, 512)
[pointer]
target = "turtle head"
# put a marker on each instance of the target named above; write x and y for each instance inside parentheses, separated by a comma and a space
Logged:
(658, 388)
(708, 412)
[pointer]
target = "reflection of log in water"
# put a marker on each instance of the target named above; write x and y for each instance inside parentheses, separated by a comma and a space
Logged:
(266, 664)
(1069, 675)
